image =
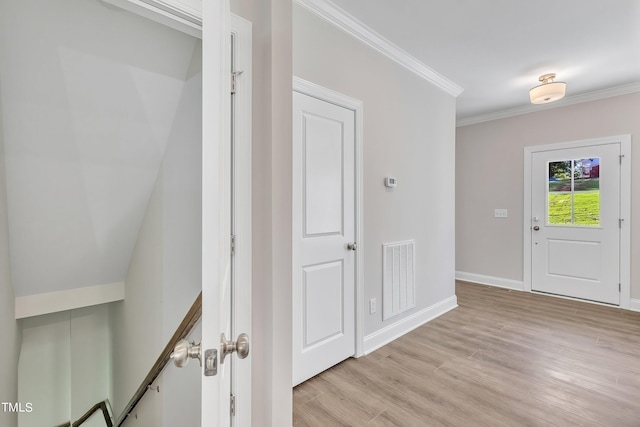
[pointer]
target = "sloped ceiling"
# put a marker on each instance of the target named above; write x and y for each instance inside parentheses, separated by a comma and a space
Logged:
(89, 96)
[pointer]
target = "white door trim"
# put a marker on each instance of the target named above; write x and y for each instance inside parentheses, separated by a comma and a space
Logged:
(625, 208)
(333, 97)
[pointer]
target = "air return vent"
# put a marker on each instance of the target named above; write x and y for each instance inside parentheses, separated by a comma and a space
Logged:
(398, 278)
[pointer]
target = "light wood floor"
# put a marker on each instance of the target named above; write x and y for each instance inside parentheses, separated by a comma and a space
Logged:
(503, 358)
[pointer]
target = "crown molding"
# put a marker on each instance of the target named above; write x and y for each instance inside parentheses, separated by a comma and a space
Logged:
(173, 14)
(350, 25)
(570, 100)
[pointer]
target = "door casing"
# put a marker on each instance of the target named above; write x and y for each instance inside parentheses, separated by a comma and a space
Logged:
(333, 97)
(625, 208)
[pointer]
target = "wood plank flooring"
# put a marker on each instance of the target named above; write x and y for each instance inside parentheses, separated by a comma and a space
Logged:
(502, 358)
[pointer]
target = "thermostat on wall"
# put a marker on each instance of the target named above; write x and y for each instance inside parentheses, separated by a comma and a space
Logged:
(390, 182)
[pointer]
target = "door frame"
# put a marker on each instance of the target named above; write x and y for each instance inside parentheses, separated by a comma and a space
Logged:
(625, 208)
(316, 91)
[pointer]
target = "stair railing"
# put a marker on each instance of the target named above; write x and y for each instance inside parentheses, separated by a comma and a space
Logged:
(182, 332)
(100, 406)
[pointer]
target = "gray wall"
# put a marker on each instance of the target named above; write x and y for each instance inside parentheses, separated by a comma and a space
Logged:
(9, 329)
(272, 186)
(271, 209)
(489, 175)
(259, 14)
(408, 133)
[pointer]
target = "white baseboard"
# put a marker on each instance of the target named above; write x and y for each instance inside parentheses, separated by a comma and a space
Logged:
(634, 304)
(517, 285)
(52, 302)
(389, 333)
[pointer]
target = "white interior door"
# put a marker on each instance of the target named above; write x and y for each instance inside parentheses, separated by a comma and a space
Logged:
(575, 228)
(226, 195)
(324, 233)
(216, 210)
(241, 214)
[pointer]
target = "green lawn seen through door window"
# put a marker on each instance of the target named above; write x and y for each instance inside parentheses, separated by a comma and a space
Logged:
(586, 205)
(574, 192)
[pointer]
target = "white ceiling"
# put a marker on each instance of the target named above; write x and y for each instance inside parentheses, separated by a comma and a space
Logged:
(496, 50)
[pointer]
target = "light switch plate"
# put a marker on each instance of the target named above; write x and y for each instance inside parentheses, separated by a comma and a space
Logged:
(390, 182)
(500, 213)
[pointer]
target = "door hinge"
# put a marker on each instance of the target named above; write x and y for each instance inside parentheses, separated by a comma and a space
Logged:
(234, 81)
(621, 156)
(233, 405)
(233, 244)
(619, 287)
(620, 222)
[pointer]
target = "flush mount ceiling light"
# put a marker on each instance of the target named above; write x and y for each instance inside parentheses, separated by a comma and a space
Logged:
(548, 91)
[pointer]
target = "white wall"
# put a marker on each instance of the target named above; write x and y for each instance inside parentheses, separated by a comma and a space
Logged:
(100, 99)
(90, 94)
(408, 133)
(65, 366)
(489, 175)
(44, 370)
(91, 361)
(164, 275)
(10, 333)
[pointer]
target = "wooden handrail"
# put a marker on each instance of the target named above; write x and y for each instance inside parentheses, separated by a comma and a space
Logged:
(101, 406)
(183, 330)
(97, 407)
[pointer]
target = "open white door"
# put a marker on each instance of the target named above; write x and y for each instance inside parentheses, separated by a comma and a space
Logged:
(226, 194)
(218, 343)
(241, 213)
(216, 302)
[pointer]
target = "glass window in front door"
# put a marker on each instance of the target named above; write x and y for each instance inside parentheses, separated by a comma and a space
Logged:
(574, 192)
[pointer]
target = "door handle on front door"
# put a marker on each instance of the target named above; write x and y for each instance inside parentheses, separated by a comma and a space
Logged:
(536, 228)
(352, 246)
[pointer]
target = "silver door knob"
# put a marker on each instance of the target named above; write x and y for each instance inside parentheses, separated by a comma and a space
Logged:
(536, 228)
(241, 346)
(352, 246)
(183, 351)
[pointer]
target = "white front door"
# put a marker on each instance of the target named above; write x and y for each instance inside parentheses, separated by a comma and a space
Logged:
(575, 228)
(324, 233)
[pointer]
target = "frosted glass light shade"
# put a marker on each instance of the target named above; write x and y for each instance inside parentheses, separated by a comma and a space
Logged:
(547, 92)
